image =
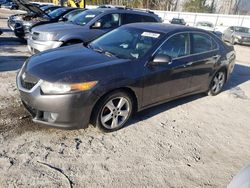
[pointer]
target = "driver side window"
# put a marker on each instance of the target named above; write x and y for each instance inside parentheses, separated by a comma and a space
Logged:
(177, 46)
(110, 21)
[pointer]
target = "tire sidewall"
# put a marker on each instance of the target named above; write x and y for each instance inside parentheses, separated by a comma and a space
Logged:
(103, 102)
(211, 92)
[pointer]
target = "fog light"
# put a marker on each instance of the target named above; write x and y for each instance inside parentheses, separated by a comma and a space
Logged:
(50, 117)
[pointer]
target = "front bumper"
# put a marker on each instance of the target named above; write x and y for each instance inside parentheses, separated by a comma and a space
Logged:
(68, 111)
(36, 46)
(243, 41)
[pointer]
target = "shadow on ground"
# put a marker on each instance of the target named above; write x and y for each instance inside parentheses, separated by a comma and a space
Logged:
(11, 63)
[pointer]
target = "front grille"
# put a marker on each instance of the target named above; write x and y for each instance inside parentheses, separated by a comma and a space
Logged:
(27, 85)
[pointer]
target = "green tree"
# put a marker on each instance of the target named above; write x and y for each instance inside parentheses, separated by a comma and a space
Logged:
(196, 6)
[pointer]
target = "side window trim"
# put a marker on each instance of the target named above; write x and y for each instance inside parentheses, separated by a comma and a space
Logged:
(189, 33)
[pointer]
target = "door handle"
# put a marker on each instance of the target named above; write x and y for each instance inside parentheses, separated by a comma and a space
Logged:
(216, 57)
(190, 63)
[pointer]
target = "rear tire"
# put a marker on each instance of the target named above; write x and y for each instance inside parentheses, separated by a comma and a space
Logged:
(113, 111)
(217, 83)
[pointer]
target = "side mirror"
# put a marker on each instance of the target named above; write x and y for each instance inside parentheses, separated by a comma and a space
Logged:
(160, 59)
(97, 25)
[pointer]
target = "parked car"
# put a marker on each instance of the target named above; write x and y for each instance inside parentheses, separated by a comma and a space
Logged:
(22, 30)
(237, 35)
(208, 26)
(1, 32)
(85, 27)
(178, 21)
(126, 70)
(9, 5)
(32, 13)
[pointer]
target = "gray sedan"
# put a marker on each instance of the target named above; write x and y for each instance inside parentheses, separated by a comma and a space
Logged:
(237, 35)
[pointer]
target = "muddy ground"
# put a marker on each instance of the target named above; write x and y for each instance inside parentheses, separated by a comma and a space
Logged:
(198, 141)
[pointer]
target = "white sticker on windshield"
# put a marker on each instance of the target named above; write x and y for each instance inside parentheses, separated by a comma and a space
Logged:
(90, 16)
(149, 34)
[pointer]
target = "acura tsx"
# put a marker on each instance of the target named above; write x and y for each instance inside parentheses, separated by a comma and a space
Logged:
(126, 70)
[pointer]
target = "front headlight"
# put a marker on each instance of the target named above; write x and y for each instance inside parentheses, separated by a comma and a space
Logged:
(238, 37)
(59, 88)
(49, 36)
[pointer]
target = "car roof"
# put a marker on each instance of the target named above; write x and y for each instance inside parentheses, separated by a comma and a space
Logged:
(124, 10)
(163, 27)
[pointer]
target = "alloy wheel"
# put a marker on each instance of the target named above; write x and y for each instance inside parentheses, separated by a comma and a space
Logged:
(115, 113)
(218, 82)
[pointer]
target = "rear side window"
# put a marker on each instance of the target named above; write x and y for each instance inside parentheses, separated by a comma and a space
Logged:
(202, 43)
(148, 19)
(134, 18)
(177, 46)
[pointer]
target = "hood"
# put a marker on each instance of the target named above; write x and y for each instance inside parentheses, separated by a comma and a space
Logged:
(69, 64)
(242, 34)
(25, 5)
(57, 28)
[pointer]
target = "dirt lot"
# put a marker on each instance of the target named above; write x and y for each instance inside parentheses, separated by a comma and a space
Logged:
(198, 141)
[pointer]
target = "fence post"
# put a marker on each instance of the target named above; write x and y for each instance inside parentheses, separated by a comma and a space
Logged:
(216, 20)
(195, 17)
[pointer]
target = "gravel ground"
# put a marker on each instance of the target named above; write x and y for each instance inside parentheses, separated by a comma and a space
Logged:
(198, 141)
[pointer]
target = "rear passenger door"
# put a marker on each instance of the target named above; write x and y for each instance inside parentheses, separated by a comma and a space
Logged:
(205, 54)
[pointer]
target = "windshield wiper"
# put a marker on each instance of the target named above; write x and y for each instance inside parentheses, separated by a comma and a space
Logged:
(101, 51)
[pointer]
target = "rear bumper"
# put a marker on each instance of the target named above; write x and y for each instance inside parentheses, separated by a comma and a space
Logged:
(40, 46)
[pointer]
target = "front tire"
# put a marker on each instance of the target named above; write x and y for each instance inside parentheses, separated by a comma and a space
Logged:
(113, 111)
(217, 83)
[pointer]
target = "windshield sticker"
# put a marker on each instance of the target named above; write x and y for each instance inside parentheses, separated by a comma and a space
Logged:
(90, 16)
(149, 34)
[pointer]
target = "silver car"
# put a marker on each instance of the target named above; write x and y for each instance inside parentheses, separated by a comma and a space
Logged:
(237, 35)
(85, 27)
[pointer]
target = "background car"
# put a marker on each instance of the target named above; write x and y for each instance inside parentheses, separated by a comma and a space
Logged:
(237, 35)
(178, 21)
(208, 26)
(131, 68)
(23, 29)
(1, 32)
(31, 14)
(9, 5)
(85, 27)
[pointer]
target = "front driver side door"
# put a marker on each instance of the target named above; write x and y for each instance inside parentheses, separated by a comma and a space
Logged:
(170, 80)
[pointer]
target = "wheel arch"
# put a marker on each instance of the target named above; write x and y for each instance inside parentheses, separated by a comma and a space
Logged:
(127, 90)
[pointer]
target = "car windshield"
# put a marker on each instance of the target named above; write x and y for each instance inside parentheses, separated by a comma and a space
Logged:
(133, 44)
(242, 29)
(205, 24)
(85, 17)
(57, 12)
(69, 16)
